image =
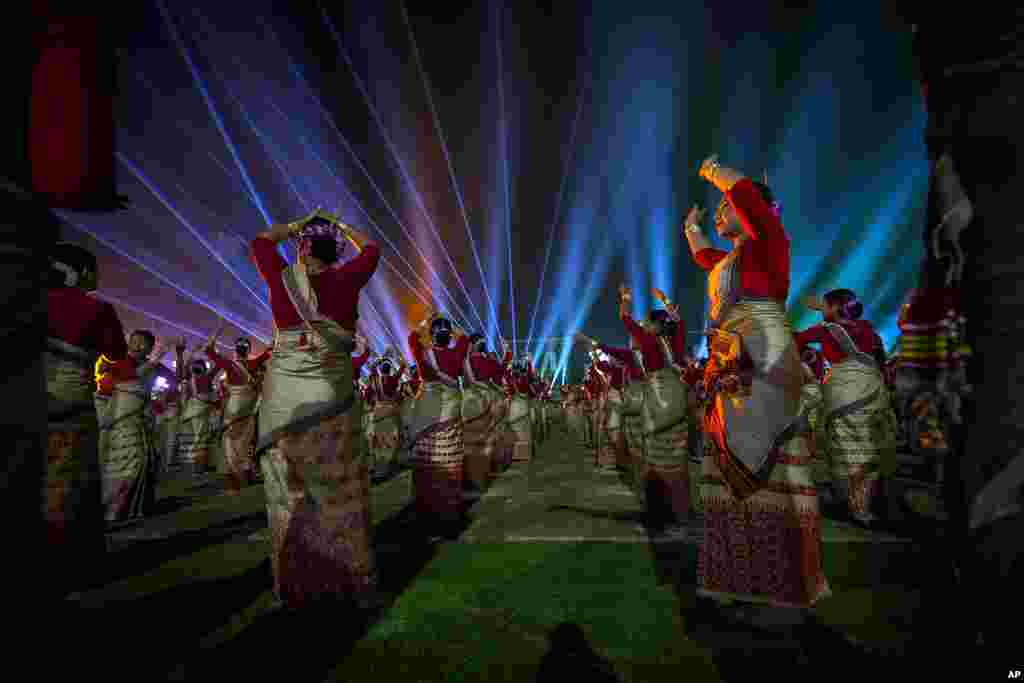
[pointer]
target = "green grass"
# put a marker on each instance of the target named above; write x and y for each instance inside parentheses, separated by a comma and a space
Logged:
(484, 612)
(196, 604)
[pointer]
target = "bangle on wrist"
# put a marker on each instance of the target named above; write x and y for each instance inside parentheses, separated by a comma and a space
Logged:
(712, 171)
(693, 229)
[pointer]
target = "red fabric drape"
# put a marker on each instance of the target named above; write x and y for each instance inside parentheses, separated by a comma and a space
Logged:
(71, 111)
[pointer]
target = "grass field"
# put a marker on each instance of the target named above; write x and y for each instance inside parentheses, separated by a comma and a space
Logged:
(187, 596)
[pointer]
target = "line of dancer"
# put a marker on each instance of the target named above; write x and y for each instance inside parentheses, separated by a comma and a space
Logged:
(297, 416)
(728, 441)
(741, 442)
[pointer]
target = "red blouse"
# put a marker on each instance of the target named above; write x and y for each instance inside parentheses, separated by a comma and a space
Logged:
(203, 383)
(450, 360)
(626, 357)
(230, 368)
(763, 259)
(650, 348)
(486, 368)
(861, 332)
(78, 319)
(359, 361)
(389, 385)
(616, 374)
(125, 370)
(337, 289)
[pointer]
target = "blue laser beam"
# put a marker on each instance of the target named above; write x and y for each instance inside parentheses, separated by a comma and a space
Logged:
(557, 212)
(297, 73)
(163, 278)
(110, 298)
(398, 160)
(451, 170)
(503, 127)
(142, 178)
(211, 107)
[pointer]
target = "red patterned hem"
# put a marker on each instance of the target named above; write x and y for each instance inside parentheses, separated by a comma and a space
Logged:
(761, 551)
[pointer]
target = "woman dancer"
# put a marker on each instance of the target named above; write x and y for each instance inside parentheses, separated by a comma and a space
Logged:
(385, 416)
(131, 460)
(243, 377)
(199, 404)
(482, 403)
(665, 477)
(520, 410)
(860, 424)
(80, 329)
(762, 538)
(314, 467)
(436, 423)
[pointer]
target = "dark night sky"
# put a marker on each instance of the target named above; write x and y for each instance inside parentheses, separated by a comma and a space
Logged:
(552, 52)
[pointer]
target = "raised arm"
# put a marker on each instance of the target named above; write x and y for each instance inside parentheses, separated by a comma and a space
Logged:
(279, 232)
(153, 362)
(263, 357)
(619, 354)
(704, 254)
(355, 238)
(632, 327)
(758, 220)
(416, 344)
(179, 352)
(219, 362)
(692, 230)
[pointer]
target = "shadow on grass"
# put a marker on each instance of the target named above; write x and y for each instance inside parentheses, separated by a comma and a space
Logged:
(307, 645)
(144, 555)
(570, 657)
(153, 630)
(616, 515)
(811, 650)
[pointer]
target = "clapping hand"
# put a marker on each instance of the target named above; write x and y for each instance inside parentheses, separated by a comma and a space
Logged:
(693, 218)
(813, 303)
(625, 292)
(296, 227)
(330, 218)
(708, 167)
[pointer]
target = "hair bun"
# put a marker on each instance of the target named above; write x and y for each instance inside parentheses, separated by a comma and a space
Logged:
(853, 309)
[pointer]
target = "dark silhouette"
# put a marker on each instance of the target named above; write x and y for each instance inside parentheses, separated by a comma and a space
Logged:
(569, 654)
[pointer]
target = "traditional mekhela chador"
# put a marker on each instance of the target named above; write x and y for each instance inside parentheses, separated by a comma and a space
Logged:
(859, 421)
(243, 381)
(311, 449)
(386, 412)
(665, 410)
(196, 435)
(483, 404)
(131, 459)
(520, 410)
(762, 538)
(613, 442)
(435, 421)
(80, 330)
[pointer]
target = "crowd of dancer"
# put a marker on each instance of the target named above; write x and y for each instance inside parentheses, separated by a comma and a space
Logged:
(754, 414)
(969, 292)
